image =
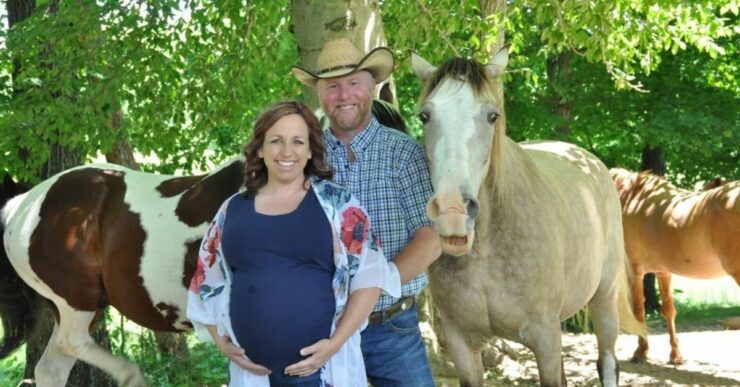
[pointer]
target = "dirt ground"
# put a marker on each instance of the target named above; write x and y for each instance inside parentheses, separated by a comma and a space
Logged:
(711, 358)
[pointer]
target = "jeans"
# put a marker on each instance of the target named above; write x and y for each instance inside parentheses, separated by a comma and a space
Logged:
(281, 380)
(394, 353)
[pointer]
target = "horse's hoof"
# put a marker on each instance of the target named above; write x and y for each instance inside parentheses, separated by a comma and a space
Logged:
(732, 323)
(676, 360)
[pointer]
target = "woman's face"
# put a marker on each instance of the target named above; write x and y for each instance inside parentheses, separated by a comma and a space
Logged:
(285, 150)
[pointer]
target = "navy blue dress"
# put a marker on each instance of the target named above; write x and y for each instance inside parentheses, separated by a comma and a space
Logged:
(281, 294)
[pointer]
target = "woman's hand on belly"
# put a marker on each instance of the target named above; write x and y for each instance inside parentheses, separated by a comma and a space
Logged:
(318, 354)
(236, 354)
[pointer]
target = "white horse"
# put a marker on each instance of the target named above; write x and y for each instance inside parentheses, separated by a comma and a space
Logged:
(531, 232)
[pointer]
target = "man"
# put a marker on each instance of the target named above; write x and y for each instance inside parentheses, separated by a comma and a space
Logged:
(387, 170)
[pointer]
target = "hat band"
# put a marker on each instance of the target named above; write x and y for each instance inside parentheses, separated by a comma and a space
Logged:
(342, 67)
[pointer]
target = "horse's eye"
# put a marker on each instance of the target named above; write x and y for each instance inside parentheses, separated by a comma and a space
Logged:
(424, 117)
(492, 117)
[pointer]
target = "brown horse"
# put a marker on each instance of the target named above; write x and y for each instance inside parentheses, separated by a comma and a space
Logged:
(531, 232)
(105, 235)
(673, 230)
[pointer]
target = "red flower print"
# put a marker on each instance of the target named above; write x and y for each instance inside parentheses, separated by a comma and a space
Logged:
(354, 229)
(198, 277)
(212, 247)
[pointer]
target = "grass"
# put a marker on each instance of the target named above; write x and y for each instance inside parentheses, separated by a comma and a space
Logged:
(204, 366)
(701, 303)
(692, 315)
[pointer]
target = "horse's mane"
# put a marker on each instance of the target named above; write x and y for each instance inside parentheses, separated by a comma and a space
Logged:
(641, 185)
(649, 180)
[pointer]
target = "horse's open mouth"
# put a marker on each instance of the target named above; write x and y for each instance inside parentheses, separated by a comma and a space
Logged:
(456, 245)
(456, 240)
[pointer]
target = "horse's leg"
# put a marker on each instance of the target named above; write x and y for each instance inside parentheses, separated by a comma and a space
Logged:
(53, 367)
(669, 313)
(638, 306)
(543, 337)
(74, 340)
(605, 317)
(468, 362)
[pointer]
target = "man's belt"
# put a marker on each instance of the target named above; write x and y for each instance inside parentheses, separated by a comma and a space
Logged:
(386, 314)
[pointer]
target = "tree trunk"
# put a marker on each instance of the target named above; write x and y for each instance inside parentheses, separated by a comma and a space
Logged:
(60, 158)
(121, 153)
(315, 22)
(558, 72)
(654, 161)
(19, 10)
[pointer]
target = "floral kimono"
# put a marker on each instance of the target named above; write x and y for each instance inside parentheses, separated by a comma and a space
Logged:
(359, 262)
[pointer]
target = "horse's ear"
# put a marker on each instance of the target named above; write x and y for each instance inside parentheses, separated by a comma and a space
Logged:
(498, 62)
(422, 68)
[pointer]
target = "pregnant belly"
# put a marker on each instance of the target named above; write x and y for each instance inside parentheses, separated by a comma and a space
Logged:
(274, 315)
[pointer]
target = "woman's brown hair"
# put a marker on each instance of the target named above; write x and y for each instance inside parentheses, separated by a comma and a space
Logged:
(255, 171)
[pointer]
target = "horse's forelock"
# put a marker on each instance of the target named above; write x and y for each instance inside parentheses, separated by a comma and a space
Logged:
(467, 71)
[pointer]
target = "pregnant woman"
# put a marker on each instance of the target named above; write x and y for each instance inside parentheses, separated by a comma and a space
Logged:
(289, 270)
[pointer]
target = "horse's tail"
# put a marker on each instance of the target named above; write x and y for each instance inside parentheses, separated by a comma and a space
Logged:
(15, 307)
(628, 323)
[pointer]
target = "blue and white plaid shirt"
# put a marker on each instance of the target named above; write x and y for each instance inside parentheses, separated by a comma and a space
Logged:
(390, 176)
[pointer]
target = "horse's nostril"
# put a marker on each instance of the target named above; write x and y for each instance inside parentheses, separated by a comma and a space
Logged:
(471, 206)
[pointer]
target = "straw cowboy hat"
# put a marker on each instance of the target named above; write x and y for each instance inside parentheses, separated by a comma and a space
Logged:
(340, 57)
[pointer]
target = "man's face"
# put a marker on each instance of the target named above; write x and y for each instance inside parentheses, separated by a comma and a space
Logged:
(347, 101)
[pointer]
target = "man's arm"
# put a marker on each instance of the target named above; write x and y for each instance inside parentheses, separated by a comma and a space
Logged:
(423, 249)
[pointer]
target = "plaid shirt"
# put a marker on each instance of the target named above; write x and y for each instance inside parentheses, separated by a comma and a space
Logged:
(390, 176)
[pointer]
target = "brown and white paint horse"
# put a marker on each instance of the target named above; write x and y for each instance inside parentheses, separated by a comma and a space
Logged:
(102, 235)
(673, 230)
(531, 232)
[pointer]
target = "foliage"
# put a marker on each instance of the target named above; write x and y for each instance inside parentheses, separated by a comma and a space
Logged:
(204, 363)
(641, 75)
(191, 76)
(13, 367)
(204, 366)
(186, 75)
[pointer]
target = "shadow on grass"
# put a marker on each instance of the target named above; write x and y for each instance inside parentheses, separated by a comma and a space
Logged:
(665, 373)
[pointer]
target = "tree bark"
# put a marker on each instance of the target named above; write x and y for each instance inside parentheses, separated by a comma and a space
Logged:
(558, 72)
(19, 10)
(653, 160)
(60, 158)
(315, 22)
